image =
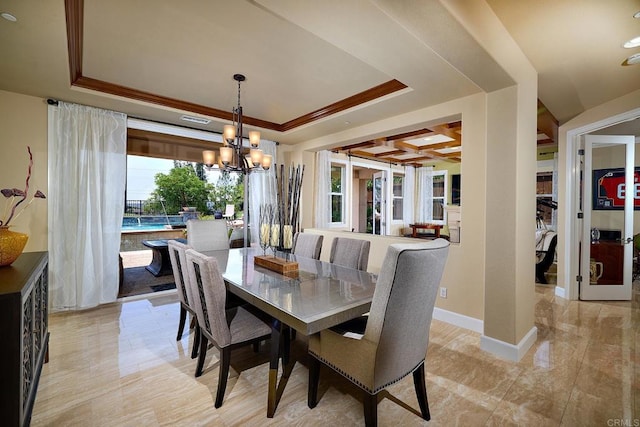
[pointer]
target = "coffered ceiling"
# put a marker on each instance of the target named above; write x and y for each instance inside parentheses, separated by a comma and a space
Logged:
(441, 142)
(313, 68)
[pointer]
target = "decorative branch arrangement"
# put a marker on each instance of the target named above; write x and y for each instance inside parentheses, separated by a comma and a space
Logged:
(288, 208)
(16, 197)
(266, 226)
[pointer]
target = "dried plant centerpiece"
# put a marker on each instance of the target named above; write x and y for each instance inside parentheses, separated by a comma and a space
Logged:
(12, 243)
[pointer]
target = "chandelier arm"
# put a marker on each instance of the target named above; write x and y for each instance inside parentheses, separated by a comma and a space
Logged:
(239, 78)
(239, 135)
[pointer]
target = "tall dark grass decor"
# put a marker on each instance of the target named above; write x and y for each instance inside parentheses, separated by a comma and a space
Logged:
(289, 186)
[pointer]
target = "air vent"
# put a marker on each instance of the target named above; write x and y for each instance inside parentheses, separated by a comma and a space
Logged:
(198, 120)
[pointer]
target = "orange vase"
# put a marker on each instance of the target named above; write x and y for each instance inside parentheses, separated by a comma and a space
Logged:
(11, 245)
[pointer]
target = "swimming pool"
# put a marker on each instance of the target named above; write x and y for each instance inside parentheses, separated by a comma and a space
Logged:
(143, 227)
(151, 222)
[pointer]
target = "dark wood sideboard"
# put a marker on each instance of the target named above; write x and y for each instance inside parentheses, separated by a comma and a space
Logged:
(24, 334)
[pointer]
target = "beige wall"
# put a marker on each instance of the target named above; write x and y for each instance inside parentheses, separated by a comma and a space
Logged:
(464, 274)
(497, 287)
(465, 268)
(23, 122)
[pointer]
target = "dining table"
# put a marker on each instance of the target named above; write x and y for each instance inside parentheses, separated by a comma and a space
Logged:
(319, 295)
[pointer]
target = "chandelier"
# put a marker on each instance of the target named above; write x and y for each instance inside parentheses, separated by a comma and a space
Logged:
(232, 156)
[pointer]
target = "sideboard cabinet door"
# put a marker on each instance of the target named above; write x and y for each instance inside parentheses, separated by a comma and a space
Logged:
(24, 333)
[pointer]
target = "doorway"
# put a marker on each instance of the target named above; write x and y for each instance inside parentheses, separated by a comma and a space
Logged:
(378, 219)
(609, 190)
(570, 190)
(369, 199)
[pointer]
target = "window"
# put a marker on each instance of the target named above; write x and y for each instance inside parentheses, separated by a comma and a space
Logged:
(398, 182)
(337, 193)
(439, 196)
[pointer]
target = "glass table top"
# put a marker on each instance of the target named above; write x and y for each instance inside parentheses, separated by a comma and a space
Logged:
(322, 295)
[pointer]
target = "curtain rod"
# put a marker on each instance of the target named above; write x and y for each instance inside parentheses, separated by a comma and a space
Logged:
(52, 101)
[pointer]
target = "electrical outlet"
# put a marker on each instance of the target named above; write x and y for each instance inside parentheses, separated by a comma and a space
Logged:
(443, 292)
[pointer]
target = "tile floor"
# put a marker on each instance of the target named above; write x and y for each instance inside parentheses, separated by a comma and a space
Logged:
(120, 365)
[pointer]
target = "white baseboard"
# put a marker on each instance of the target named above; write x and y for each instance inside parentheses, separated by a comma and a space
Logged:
(509, 351)
(459, 320)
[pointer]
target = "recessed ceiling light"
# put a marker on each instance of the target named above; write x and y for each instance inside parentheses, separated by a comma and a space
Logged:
(634, 42)
(637, 15)
(8, 16)
(632, 60)
(198, 120)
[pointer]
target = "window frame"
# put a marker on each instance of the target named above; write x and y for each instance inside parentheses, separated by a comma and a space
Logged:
(394, 197)
(445, 174)
(342, 194)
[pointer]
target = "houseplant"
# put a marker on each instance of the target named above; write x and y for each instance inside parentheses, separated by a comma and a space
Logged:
(11, 242)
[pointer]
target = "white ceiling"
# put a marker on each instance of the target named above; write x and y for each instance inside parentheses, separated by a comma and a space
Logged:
(302, 56)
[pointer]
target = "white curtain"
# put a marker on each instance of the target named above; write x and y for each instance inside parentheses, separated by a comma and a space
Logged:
(408, 193)
(424, 178)
(262, 189)
(87, 175)
(323, 182)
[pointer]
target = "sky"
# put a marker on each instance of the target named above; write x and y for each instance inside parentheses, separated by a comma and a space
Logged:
(141, 172)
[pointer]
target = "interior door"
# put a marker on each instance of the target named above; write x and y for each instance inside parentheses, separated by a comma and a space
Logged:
(379, 203)
(610, 191)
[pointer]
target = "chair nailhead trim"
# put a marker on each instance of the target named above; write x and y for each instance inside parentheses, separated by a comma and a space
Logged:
(358, 383)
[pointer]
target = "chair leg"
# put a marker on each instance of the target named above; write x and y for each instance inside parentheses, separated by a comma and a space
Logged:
(194, 322)
(370, 409)
(421, 391)
(201, 354)
(183, 319)
(196, 342)
(225, 359)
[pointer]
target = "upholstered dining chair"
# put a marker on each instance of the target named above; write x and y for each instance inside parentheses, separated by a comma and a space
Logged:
(307, 245)
(226, 329)
(207, 235)
(177, 254)
(352, 253)
(396, 335)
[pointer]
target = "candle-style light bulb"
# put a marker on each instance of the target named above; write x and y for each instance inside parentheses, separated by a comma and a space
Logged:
(266, 161)
(209, 158)
(254, 138)
(229, 133)
(256, 156)
(226, 155)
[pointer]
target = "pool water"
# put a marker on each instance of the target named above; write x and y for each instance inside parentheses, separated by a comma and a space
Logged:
(143, 227)
(150, 223)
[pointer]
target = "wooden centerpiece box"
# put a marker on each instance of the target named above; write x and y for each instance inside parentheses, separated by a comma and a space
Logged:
(279, 265)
